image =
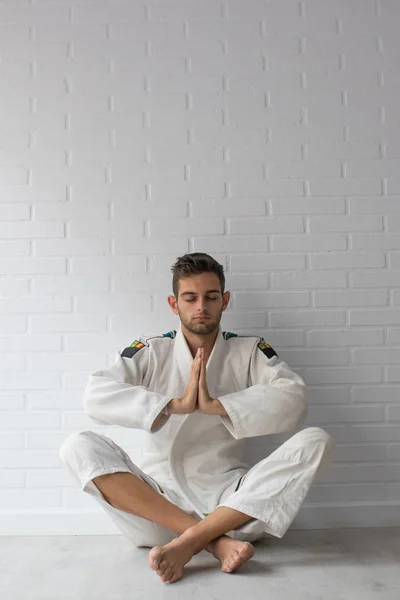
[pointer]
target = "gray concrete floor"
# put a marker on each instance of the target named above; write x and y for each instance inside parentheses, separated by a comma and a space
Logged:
(304, 565)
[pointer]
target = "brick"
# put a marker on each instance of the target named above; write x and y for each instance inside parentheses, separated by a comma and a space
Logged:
(306, 357)
(262, 262)
(265, 225)
(30, 343)
(345, 375)
(70, 322)
(376, 394)
(346, 337)
(316, 279)
(346, 260)
(347, 223)
(385, 278)
(185, 226)
(307, 206)
(111, 302)
(13, 175)
(72, 247)
(384, 241)
(345, 414)
(14, 213)
(14, 287)
(376, 356)
(334, 187)
(30, 305)
(378, 205)
(278, 187)
(109, 265)
(229, 207)
(374, 317)
(311, 317)
(327, 395)
(308, 242)
(10, 12)
(343, 492)
(351, 298)
(225, 243)
(70, 284)
(260, 300)
(304, 169)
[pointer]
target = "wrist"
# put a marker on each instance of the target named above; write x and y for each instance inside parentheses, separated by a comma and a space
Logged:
(168, 408)
(209, 408)
(218, 408)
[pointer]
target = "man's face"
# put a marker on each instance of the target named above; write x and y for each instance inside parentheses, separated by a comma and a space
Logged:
(200, 302)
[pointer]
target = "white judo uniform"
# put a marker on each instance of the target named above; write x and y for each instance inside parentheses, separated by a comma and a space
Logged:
(197, 460)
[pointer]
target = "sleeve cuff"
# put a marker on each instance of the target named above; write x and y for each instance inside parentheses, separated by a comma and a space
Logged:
(156, 418)
(231, 420)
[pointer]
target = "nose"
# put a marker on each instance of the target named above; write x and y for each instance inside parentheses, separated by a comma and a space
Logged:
(200, 305)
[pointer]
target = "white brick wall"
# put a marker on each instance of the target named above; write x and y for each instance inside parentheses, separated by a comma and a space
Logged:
(263, 133)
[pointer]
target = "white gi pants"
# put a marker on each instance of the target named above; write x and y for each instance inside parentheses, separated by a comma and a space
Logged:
(271, 492)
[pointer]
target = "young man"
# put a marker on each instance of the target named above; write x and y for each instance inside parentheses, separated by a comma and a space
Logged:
(199, 393)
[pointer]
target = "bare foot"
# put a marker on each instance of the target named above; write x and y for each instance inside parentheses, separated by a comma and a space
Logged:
(231, 553)
(168, 561)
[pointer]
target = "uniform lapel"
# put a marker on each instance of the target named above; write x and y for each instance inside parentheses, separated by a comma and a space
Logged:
(182, 356)
(215, 364)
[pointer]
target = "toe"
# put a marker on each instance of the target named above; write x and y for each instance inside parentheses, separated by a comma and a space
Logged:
(155, 556)
(174, 577)
(163, 565)
(226, 569)
(167, 575)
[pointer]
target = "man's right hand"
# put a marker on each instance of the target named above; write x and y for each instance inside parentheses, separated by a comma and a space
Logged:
(188, 403)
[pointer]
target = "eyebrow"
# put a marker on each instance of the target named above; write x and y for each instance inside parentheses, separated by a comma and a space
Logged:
(207, 292)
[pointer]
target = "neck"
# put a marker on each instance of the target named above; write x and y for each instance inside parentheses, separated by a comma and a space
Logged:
(198, 340)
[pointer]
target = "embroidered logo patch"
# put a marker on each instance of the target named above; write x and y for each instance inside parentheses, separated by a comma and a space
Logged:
(133, 348)
(266, 348)
(228, 334)
(137, 344)
(170, 334)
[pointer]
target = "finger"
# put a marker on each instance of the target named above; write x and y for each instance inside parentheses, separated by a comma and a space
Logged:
(195, 374)
(196, 361)
(202, 379)
(203, 366)
(199, 360)
(203, 360)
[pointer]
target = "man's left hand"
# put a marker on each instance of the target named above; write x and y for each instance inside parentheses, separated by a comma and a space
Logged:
(205, 403)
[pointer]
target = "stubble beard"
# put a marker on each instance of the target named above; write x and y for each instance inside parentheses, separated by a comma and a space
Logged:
(201, 328)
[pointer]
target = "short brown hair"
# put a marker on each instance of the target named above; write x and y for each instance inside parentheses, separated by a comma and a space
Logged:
(194, 264)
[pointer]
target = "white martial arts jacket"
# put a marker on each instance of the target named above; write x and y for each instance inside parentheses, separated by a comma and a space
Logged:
(197, 456)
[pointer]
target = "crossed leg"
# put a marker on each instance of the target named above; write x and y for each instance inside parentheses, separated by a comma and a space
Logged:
(129, 493)
(170, 559)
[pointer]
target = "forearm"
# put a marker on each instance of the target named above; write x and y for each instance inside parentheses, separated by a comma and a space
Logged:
(176, 407)
(218, 408)
(170, 408)
(213, 408)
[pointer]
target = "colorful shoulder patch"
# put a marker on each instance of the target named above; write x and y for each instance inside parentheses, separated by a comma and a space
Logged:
(266, 348)
(133, 348)
(170, 334)
(228, 334)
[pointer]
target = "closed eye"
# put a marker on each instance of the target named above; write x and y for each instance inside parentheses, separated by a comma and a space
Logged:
(192, 300)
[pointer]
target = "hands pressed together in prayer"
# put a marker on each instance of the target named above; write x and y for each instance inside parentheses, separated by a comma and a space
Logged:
(205, 403)
(196, 396)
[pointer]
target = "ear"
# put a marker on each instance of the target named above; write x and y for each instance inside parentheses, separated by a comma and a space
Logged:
(173, 304)
(226, 298)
